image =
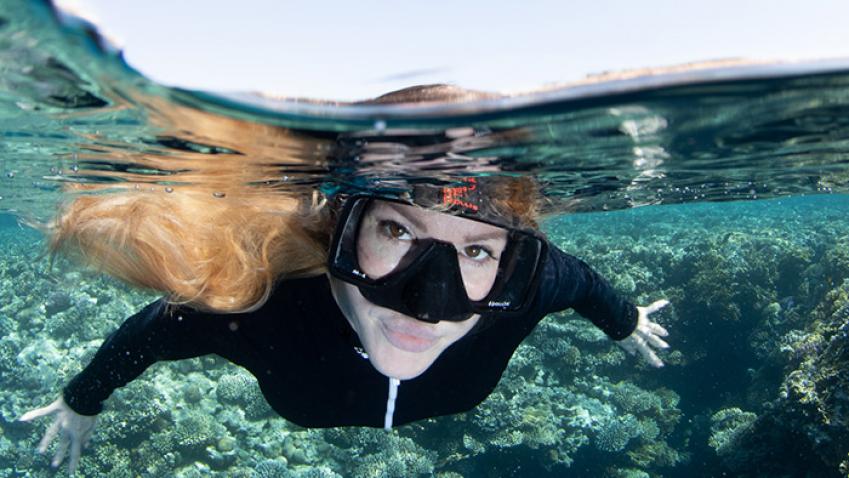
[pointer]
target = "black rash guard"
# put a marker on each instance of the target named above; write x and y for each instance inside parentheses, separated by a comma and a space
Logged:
(305, 354)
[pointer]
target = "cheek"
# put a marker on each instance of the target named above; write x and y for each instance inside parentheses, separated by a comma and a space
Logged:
(455, 331)
(353, 305)
(375, 259)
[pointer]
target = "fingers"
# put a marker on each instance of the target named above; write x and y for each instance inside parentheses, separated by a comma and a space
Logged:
(652, 330)
(75, 456)
(646, 351)
(60, 451)
(49, 435)
(642, 343)
(656, 305)
(651, 357)
(657, 329)
(75, 430)
(39, 412)
(628, 346)
(656, 341)
(86, 436)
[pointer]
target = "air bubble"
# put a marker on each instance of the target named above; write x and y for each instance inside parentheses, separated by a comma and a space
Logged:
(169, 190)
(218, 194)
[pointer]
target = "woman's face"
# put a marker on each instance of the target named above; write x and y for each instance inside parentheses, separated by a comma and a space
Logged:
(400, 346)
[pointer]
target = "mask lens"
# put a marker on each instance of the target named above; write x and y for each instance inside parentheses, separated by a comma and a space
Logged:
(387, 249)
(518, 274)
(342, 260)
(385, 236)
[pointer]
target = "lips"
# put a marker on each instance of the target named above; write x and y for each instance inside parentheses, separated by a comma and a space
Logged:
(408, 335)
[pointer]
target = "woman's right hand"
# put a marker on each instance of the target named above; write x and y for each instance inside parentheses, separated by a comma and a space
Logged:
(76, 430)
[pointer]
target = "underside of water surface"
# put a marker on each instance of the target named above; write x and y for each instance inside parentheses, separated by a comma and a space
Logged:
(722, 188)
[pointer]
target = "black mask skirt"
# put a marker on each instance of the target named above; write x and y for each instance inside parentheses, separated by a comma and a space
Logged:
(427, 283)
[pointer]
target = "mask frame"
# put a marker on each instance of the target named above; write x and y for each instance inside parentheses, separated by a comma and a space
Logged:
(431, 268)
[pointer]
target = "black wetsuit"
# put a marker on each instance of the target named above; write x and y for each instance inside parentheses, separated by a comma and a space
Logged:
(304, 355)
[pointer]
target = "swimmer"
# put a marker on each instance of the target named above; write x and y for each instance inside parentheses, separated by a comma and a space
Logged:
(418, 304)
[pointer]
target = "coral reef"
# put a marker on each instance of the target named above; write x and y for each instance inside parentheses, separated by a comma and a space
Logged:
(242, 390)
(614, 434)
(376, 453)
(811, 413)
(759, 314)
(727, 425)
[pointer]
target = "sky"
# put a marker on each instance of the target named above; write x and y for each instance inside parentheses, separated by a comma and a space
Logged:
(348, 50)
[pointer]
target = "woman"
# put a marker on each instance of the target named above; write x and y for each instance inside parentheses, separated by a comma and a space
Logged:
(412, 309)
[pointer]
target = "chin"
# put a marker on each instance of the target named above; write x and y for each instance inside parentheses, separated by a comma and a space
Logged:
(398, 346)
(399, 364)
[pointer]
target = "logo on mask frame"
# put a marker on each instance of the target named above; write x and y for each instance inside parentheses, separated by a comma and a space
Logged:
(458, 195)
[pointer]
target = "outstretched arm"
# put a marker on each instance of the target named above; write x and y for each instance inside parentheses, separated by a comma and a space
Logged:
(153, 334)
(157, 332)
(570, 282)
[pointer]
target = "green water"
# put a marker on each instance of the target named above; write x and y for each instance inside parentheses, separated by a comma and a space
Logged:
(725, 194)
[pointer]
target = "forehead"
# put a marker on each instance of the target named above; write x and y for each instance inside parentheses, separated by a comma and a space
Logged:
(437, 224)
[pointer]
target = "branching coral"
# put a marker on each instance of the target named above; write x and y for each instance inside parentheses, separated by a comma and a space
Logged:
(242, 390)
(727, 426)
(613, 435)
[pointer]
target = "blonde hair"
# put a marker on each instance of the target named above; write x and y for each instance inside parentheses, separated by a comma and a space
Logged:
(223, 232)
(217, 254)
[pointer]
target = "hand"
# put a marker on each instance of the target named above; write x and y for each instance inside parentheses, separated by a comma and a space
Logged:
(76, 430)
(647, 335)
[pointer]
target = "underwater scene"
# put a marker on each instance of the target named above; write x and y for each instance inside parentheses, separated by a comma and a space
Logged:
(723, 188)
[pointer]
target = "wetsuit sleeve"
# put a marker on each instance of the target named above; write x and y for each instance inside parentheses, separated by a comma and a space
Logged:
(570, 282)
(156, 333)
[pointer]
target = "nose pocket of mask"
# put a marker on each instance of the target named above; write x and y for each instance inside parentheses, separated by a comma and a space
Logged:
(428, 286)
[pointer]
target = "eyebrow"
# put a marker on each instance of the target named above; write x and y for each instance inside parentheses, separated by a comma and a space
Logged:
(400, 210)
(487, 236)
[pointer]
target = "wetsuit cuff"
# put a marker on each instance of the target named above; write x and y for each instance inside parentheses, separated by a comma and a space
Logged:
(622, 333)
(79, 406)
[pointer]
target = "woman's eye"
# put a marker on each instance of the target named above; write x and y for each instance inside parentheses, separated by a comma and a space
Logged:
(394, 230)
(477, 253)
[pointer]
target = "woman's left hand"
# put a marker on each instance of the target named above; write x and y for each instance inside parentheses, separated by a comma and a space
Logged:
(647, 335)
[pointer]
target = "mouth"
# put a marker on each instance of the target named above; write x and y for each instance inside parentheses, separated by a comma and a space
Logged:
(408, 335)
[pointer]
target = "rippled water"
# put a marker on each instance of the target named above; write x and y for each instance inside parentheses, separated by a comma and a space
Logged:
(71, 113)
(75, 119)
